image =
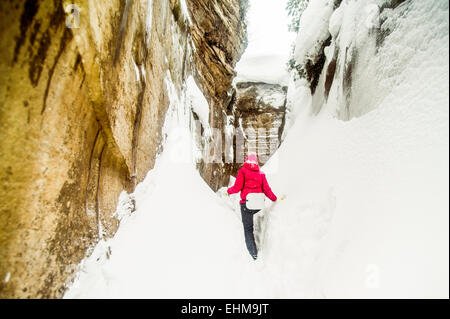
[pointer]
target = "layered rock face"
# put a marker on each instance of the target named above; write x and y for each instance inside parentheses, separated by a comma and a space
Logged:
(259, 110)
(253, 121)
(82, 103)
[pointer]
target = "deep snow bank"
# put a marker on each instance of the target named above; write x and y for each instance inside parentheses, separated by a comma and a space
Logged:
(367, 207)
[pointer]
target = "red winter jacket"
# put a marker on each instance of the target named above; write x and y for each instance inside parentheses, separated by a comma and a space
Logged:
(251, 180)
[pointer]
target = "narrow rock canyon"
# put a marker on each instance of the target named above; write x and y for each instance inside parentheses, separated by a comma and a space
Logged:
(83, 99)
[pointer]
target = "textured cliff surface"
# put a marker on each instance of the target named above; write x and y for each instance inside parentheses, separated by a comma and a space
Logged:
(82, 103)
(259, 114)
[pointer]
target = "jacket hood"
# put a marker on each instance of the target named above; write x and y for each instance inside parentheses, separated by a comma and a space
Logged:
(252, 162)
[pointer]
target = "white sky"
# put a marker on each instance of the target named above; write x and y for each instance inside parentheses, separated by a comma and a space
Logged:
(269, 43)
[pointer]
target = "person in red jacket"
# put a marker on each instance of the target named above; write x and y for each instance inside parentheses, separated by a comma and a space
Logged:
(250, 180)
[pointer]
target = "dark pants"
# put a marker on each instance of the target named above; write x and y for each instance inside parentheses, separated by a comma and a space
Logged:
(247, 220)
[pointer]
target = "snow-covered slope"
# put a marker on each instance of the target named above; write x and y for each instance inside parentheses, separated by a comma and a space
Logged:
(367, 207)
(178, 244)
(183, 241)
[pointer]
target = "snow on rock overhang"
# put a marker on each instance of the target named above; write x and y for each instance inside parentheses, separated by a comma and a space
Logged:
(313, 30)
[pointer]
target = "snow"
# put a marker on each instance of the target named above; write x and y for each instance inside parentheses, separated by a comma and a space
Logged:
(262, 68)
(185, 11)
(125, 206)
(336, 21)
(274, 98)
(143, 72)
(363, 193)
(160, 251)
(197, 101)
(298, 98)
(269, 44)
(7, 277)
(313, 29)
(365, 209)
(136, 70)
(368, 197)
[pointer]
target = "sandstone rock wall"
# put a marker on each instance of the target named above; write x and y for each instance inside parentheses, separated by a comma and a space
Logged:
(81, 111)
